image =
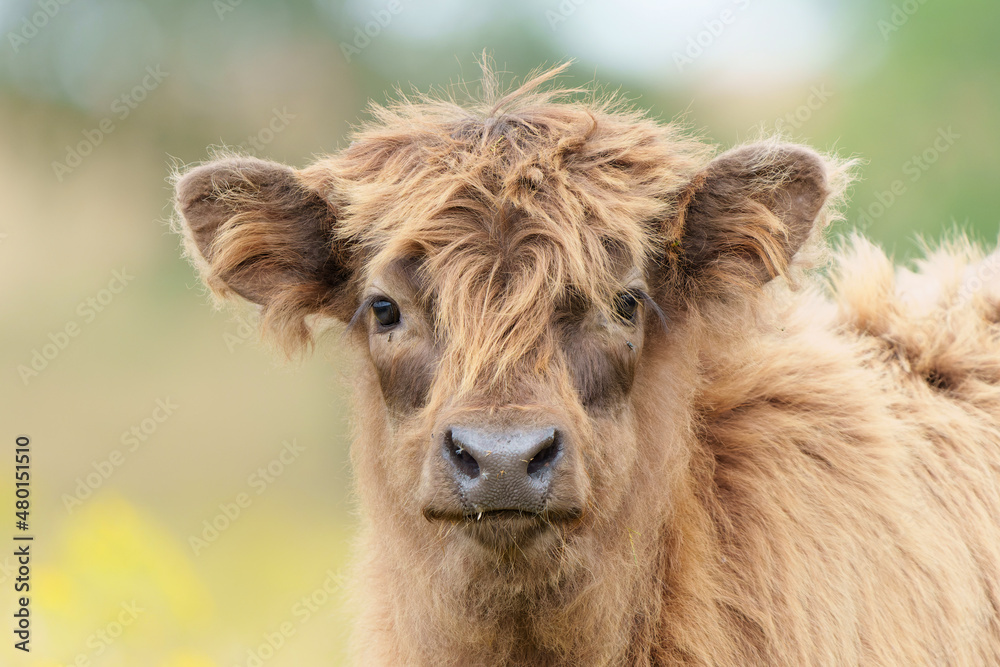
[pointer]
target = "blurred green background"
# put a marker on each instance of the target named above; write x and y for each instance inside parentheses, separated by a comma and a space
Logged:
(150, 413)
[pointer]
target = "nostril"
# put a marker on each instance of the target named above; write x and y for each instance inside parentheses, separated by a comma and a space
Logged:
(455, 450)
(546, 456)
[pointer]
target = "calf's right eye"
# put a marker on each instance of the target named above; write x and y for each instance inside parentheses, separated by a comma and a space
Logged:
(386, 312)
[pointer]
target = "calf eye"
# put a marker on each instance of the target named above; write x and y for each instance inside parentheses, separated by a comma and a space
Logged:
(386, 312)
(626, 306)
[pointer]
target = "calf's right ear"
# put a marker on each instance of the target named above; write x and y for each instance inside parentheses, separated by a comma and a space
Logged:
(257, 229)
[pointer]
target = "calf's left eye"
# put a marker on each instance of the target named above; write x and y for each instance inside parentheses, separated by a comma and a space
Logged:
(386, 312)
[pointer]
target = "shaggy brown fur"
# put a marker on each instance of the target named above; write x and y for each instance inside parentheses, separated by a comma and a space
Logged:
(764, 467)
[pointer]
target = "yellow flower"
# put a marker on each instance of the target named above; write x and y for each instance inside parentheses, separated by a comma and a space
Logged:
(118, 581)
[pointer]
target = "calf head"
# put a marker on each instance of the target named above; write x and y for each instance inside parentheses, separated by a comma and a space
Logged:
(524, 283)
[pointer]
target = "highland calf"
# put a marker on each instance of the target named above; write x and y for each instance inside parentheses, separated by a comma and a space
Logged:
(605, 414)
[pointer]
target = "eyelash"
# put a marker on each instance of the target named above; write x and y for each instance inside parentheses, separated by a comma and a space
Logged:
(627, 301)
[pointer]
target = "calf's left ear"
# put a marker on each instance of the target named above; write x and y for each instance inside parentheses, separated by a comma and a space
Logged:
(742, 219)
(262, 231)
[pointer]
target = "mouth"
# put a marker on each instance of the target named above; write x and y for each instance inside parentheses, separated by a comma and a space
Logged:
(508, 529)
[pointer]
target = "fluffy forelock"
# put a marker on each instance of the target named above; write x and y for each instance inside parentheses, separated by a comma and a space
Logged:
(506, 202)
